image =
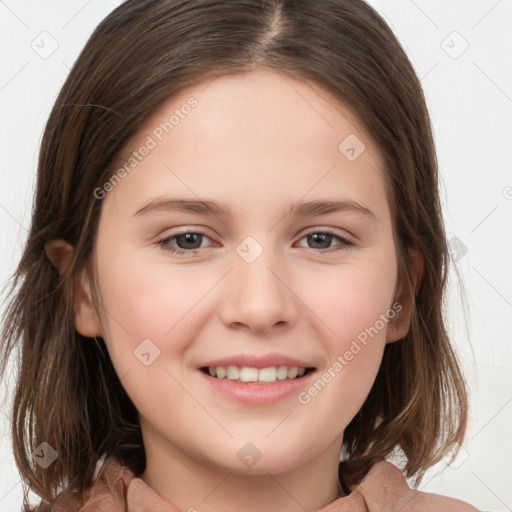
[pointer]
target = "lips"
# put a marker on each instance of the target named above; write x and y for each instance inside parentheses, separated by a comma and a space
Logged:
(263, 369)
(270, 387)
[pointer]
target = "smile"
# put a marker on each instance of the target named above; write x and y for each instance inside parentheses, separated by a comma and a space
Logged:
(257, 387)
(252, 374)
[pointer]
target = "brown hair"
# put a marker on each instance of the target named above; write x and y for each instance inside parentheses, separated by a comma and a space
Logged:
(67, 392)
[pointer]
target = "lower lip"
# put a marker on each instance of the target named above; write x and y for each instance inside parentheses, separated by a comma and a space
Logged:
(251, 393)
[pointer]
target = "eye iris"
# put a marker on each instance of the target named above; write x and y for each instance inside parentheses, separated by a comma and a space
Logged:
(189, 238)
(322, 236)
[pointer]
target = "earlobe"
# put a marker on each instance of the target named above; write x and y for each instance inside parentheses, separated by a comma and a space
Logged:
(86, 319)
(60, 252)
(399, 326)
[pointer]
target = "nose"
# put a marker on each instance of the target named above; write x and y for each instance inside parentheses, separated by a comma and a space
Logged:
(258, 296)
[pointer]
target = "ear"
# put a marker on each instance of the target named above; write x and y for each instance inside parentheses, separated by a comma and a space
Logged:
(398, 327)
(87, 323)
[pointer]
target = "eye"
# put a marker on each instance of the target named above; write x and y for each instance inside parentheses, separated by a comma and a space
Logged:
(187, 241)
(322, 240)
(190, 241)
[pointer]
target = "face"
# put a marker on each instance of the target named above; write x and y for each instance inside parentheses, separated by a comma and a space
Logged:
(271, 282)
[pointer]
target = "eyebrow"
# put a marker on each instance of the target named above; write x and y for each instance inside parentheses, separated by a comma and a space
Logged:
(213, 208)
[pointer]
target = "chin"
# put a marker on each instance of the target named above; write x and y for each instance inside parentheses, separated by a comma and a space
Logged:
(259, 458)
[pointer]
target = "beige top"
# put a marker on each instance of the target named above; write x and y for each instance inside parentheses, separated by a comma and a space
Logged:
(383, 489)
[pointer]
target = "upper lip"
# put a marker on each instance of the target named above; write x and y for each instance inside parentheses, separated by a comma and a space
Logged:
(253, 361)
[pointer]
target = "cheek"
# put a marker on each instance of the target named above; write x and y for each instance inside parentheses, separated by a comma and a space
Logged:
(350, 298)
(144, 301)
(147, 321)
(355, 306)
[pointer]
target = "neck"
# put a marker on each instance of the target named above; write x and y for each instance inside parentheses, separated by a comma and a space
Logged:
(193, 485)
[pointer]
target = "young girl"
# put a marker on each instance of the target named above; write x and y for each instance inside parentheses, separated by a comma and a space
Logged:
(188, 339)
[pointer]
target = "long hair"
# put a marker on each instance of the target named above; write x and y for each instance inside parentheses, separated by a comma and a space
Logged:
(67, 393)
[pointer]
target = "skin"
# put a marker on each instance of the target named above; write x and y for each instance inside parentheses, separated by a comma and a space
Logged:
(257, 142)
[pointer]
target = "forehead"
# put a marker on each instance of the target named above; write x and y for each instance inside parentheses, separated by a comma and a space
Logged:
(261, 134)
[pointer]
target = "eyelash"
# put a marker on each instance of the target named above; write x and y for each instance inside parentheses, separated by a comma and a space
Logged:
(345, 243)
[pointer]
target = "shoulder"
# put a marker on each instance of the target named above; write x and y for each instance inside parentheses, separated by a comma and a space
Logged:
(385, 488)
(111, 479)
(429, 502)
(116, 488)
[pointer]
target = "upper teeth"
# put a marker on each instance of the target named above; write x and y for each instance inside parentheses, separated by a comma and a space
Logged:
(249, 374)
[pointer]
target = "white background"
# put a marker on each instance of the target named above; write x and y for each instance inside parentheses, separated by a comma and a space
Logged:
(469, 94)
